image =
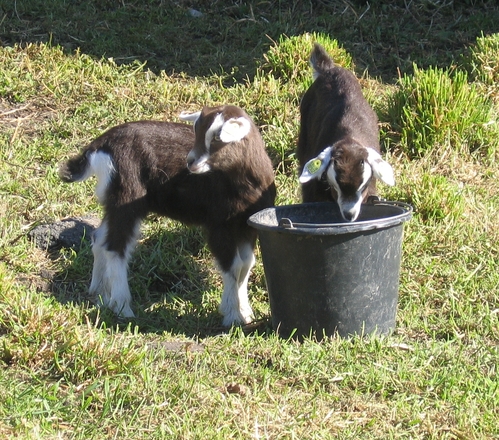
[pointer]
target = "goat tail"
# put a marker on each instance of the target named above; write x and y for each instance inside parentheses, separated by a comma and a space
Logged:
(76, 168)
(320, 60)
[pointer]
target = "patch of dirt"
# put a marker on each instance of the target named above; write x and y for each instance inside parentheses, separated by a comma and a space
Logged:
(14, 114)
(177, 346)
(67, 233)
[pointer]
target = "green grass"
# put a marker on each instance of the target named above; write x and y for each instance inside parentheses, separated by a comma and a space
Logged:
(68, 71)
(433, 108)
(483, 61)
(289, 58)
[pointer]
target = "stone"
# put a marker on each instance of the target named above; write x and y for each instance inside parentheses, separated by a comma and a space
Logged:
(70, 232)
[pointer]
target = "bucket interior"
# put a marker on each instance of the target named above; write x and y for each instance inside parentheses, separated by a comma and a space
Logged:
(325, 217)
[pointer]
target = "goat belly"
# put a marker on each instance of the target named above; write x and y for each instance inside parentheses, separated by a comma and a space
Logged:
(190, 198)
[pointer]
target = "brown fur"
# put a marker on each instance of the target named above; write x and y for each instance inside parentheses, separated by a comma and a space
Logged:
(335, 112)
(151, 175)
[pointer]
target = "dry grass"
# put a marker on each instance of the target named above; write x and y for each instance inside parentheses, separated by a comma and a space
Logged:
(68, 370)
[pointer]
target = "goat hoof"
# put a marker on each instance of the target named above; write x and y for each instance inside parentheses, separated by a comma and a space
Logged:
(123, 311)
(237, 319)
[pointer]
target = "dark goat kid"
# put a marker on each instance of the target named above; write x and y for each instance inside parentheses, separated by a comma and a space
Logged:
(338, 146)
(215, 177)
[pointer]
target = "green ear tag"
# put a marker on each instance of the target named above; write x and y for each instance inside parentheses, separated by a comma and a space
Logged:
(314, 165)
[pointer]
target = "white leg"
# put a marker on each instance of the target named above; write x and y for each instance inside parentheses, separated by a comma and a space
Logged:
(248, 259)
(110, 273)
(117, 275)
(235, 305)
(117, 278)
(99, 287)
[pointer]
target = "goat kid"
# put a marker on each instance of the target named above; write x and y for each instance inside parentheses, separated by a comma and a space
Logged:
(338, 145)
(215, 177)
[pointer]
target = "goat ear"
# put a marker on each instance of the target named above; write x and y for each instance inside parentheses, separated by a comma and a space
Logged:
(314, 168)
(382, 170)
(189, 117)
(234, 129)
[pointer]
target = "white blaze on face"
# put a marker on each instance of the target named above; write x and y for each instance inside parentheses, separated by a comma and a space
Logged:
(349, 207)
(213, 131)
(198, 162)
(220, 130)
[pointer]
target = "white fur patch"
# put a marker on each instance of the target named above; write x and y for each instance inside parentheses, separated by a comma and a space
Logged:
(234, 305)
(366, 175)
(350, 209)
(234, 129)
(213, 131)
(116, 273)
(189, 117)
(382, 170)
(110, 273)
(98, 285)
(199, 165)
(102, 166)
(315, 74)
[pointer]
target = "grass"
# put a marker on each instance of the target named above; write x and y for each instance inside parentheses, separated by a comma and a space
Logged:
(69, 71)
(433, 107)
(288, 58)
(482, 59)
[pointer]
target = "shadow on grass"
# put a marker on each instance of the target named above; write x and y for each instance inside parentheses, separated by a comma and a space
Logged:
(169, 279)
(167, 35)
(198, 37)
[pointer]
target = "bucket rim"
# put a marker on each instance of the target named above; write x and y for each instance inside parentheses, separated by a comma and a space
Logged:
(287, 226)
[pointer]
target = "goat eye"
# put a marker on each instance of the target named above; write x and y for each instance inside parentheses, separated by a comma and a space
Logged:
(216, 138)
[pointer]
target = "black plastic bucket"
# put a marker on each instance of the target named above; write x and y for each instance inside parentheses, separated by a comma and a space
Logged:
(326, 276)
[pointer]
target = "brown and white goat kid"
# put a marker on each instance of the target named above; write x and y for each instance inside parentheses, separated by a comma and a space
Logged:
(338, 146)
(215, 177)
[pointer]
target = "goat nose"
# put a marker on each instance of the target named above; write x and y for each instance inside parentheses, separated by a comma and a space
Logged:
(349, 215)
